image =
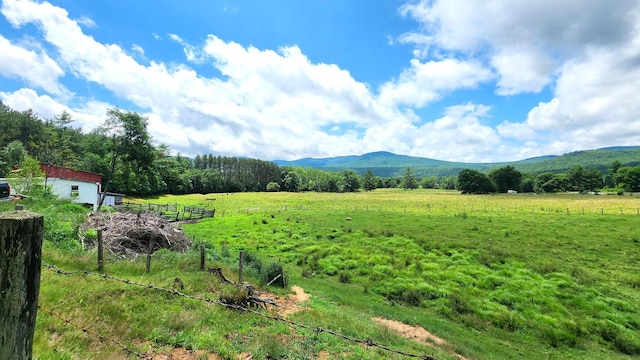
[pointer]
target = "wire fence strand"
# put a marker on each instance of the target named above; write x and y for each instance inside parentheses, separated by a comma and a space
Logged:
(91, 332)
(369, 343)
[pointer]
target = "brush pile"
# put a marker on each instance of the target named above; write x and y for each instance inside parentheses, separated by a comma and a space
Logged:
(129, 234)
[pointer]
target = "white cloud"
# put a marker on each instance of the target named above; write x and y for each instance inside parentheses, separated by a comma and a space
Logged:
(522, 71)
(137, 49)
(35, 67)
(279, 104)
(423, 83)
(525, 35)
(88, 116)
(87, 22)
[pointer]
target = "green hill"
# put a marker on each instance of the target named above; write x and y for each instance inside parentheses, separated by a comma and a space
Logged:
(387, 164)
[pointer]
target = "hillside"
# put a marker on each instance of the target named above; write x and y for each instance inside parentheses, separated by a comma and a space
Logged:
(387, 164)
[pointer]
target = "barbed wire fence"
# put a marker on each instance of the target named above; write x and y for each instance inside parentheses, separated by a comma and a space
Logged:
(368, 343)
(91, 332)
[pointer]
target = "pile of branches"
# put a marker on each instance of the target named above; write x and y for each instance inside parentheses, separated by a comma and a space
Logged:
(129, 234)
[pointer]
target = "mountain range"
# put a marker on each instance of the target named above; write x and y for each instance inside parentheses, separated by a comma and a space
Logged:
(387, 164)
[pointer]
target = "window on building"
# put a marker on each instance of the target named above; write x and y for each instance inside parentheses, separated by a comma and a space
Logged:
(75, 192)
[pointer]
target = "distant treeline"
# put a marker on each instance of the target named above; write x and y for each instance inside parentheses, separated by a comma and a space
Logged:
(122, 151)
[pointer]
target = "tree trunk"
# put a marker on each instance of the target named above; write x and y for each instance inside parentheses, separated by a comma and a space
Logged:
(21, 235)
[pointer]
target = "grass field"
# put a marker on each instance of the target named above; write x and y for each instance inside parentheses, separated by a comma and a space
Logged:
(496, 276)
(557, 274)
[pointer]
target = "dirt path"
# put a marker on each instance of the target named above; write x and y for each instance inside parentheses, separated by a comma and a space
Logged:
(291, 303)
(418, 334)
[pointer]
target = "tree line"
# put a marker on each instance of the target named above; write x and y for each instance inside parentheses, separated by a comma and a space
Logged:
(122, 150)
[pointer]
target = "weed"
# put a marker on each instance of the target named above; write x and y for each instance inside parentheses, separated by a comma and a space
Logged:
(344, 277)
(460, 302)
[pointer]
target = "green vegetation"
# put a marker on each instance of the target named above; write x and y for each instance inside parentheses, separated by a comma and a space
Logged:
(497, 276)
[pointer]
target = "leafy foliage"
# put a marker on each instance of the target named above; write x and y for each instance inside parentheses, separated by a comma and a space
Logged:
(474, 182)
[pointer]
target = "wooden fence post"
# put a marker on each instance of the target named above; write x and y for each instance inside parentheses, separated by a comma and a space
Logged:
(240, 266)
(100, 252)
(21, 235)
(202, 256)
(149, 256)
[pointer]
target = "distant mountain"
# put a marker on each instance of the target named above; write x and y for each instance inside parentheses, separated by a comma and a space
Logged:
(386, 164)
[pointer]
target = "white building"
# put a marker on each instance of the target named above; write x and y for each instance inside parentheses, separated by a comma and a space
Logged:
(82, 187)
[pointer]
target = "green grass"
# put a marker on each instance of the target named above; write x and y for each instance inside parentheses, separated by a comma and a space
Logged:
(516, 268)
(497, 276)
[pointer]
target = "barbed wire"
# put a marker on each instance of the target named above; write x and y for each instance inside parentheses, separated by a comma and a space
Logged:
(89, 331)
(366, 342)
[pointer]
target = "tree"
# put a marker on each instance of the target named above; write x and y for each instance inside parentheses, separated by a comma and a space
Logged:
(350, 181)
(128, 144)
(506, 178)
(273, 187)
(290, 180)
(369, 182)
(28, 177)
(613, 169)
(551, 183)
(629, 178)
(474, 182)
(429, 182)
(11, 156)
(409, 181)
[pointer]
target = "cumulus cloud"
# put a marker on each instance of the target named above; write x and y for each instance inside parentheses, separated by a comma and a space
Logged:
(32, 65)
(585, 52)
(88, 116)
(529, 35)
(279, 104)
(423, 83)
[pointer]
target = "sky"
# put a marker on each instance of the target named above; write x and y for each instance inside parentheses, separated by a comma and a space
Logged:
(456, 80)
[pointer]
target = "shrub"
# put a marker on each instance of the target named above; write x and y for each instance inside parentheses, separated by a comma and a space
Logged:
(344, 277)
(270, 271)
(251, 260)
(460, 302)
(273, 187)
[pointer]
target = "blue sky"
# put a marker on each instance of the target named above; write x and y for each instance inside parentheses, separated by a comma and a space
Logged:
(458, 80)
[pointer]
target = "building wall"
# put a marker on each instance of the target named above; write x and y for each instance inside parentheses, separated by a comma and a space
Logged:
(86, 193)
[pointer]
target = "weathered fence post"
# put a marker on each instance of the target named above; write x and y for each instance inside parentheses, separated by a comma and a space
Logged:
(202, 256)
(149, 256)
(100, 251)
(240, 266)
(21, 235)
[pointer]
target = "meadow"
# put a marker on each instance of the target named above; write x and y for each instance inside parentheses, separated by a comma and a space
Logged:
(496, 276)
(550, 273)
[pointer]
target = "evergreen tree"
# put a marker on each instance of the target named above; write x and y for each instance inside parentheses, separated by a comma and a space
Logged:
(409, 181)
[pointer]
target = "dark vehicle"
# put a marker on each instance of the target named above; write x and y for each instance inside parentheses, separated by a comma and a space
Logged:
(5, 189)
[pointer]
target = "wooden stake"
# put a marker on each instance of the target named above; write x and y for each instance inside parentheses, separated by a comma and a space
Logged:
(100, 251)
(21, 234)
(240, 266)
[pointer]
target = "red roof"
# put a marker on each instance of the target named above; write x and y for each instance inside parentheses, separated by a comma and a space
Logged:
(61, 172)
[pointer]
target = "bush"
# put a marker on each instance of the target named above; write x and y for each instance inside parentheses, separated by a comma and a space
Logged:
(344, 277)
(273, 187)
(251, 260)
(270, 271)
(460, 303)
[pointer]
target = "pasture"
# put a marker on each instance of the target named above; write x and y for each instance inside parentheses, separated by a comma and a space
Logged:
(496, 276)
(551, 274)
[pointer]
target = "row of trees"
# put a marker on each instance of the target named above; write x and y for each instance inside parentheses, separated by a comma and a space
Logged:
(578, 179)
(123, 152)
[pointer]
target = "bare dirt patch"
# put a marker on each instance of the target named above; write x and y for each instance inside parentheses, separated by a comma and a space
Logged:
(184, 354)
(416, 333)
(290, 303)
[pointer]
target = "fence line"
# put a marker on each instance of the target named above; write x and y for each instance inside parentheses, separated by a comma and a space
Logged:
(89, 331)
(366, 342)
(443, 209)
